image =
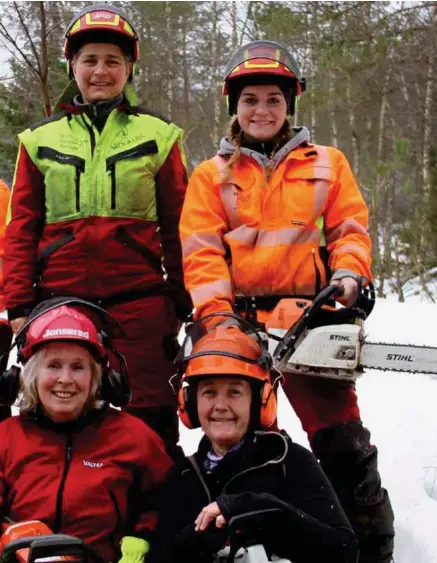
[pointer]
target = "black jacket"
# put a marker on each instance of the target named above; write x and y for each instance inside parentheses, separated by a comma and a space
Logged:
(267, 471)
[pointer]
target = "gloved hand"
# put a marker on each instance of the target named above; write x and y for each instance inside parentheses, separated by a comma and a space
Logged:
(133, 550)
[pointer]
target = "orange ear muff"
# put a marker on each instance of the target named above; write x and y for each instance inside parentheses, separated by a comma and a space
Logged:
(268, 410)
(187, 408)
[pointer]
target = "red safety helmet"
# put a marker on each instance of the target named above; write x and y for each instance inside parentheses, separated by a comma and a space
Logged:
(62, 323)
(101, 24)
(261, 62)
(225, 351)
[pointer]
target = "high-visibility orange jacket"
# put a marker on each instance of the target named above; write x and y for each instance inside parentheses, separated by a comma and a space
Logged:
(4, 204)
(252, 236)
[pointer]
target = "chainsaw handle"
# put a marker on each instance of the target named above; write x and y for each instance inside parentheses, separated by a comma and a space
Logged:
(56, 545)
(326, 295)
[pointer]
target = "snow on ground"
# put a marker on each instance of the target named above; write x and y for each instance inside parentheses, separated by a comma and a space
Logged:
(401, 412)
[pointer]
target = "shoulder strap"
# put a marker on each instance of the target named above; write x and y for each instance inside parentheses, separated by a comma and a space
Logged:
(196, 468)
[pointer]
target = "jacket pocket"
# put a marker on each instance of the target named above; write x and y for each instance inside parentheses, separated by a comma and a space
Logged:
(66, 160)
(145, 149)
(129, 241)
(305, 194)
(49, 250)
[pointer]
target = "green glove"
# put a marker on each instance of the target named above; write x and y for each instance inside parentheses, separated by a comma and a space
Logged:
(133, 549)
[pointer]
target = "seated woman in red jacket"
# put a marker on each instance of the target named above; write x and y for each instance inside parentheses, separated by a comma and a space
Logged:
(241, 466)
(68, 459)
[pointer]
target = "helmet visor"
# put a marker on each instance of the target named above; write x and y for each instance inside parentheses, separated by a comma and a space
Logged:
(196, 331)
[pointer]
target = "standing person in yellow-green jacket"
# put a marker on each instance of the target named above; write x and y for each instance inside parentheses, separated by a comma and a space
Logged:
(95, 208)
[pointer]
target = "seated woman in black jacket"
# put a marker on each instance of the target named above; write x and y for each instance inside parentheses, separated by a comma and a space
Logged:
(242, 467)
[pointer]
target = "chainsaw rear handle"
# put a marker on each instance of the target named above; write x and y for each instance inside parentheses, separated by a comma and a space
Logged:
(54, 545)
(326, 295)
(362, 307)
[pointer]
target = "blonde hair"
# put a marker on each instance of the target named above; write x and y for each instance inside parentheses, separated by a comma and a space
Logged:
(29, 399)
(236, 135)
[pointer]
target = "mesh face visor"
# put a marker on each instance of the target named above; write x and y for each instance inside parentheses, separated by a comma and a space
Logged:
(229, 348)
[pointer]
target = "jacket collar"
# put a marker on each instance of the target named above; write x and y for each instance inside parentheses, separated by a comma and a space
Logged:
(91, 417)
(300, 138)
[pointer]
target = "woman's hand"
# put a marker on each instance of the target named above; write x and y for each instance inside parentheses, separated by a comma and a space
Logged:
(350, 290)
(16, 324)
(207, 514)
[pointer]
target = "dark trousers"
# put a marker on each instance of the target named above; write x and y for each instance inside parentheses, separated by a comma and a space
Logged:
(329, 413)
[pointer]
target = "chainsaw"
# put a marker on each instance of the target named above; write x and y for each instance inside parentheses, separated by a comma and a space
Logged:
(33, 541)
(316, 338)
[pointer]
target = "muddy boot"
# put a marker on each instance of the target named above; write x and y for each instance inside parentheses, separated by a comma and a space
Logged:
(350, 462)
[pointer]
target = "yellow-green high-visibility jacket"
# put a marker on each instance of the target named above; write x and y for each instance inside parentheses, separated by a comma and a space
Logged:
(93, 213)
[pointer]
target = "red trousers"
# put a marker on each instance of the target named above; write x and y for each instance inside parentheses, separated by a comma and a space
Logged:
(149, 347)
(321, 403)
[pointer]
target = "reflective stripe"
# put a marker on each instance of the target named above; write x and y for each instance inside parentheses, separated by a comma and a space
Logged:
(228, 196)
(351, 247)
(322, 164)
(322, 174)
(207, 292)
(201, 240)
(347, 227)
(288, 236)
(245, 234)
(262, 238)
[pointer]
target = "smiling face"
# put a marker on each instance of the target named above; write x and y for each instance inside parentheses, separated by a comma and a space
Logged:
(101, 70)
(261, 111)
(223, 405)
(64, 381)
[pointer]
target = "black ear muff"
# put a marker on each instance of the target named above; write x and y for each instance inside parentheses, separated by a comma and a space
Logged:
(9, 385)
(115, 388)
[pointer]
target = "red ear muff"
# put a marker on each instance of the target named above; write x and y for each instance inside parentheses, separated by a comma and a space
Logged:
(9, 386)
(187, 407)
(268, 410)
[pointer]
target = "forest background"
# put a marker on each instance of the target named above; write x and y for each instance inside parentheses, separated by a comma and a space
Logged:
(371, 91)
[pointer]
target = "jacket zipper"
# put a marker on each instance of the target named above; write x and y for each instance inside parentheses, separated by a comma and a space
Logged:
(92, 136)
(147, 148)
(317, 271)
(59, 497)
(113, 539)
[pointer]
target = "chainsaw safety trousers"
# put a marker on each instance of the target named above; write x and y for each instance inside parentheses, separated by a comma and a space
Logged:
(351, 463)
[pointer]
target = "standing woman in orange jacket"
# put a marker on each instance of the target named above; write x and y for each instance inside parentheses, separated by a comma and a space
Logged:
(273, 215)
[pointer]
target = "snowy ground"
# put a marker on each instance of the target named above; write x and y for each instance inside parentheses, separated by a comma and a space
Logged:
(401, 412)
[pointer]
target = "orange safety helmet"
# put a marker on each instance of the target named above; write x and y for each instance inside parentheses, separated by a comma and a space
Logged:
(226, 350)
(262, 62)
(101, 24)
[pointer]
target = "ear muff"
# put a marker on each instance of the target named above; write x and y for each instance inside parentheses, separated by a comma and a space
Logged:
(187, 407)
(9, 385)
(115, 387)
(268, 407)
